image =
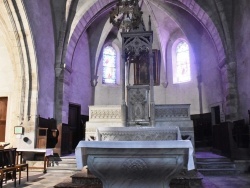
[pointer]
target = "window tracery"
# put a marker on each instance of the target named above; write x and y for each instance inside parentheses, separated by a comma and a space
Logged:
(181, 63)
(109, 65)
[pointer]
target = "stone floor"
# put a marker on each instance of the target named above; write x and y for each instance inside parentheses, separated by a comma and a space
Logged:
(49, 180)
(39, 180)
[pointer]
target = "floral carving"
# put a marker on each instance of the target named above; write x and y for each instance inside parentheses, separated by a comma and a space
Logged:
(105, 114)
(138, 136)
(173, 112)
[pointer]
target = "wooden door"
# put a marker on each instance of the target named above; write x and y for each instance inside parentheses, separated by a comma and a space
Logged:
(74, 122)
(3, 113)
(202, 129)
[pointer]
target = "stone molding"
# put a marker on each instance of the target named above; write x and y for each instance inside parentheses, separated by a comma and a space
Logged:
(173, 112)
(100, 113)
(138, 134)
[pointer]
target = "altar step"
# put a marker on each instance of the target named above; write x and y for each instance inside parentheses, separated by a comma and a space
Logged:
(65, 164)
(216, 166)
(85, 179)
(81, 179)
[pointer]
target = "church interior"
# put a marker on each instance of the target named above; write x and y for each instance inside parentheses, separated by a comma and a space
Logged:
(70, 67)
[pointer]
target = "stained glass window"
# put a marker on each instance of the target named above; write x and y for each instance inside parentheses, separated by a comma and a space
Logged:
(182, 64)
(109, 65)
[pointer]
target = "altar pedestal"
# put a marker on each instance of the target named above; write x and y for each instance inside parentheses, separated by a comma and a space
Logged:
(135, 163)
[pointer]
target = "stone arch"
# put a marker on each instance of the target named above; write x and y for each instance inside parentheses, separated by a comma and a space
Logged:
(189, 5)
(83, 23)
(20, 46)
(204, 18)
(100, 6)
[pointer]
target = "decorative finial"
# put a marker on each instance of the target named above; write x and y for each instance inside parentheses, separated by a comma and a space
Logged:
(149, 23)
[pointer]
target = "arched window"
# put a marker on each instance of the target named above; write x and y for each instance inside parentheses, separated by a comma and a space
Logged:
(109, 65)
(181, 63)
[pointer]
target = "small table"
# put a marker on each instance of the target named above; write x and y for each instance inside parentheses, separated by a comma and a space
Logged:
(47, 152)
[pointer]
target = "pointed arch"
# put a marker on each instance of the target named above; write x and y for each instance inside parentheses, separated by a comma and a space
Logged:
(20, 47)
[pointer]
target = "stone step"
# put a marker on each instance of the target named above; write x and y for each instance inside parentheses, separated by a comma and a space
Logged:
(85, 178)
(72, 185)
(58, 164)
(222, 159)
(215, 165)
(82, 179)
(217, 172)
(63, 164)
(60, 169)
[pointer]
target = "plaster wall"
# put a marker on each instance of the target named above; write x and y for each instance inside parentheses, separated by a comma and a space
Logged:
(7, 89)
(80, 88)
(6, 71)
(212, 93)
(242, 40)
(204, 63)
(107, 94)
(41, 23)
(183, 93)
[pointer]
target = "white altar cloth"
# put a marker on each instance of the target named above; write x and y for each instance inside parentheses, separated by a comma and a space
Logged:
(46, 151)
(168, 144)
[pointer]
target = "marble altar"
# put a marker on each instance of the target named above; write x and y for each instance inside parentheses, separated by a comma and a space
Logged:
(136, 156)
(145, 147)
(167, 115)
(135, 163)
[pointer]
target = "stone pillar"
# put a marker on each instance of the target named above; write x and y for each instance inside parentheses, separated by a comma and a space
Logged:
(228, 71)
(58, 93)
(123, 107)
(199, 85)
(228, 68)
(62, 89)
(152, 103)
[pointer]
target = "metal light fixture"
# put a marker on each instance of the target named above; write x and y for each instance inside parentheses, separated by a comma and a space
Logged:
(126, 15)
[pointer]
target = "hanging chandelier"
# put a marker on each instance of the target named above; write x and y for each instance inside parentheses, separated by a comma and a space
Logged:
(126, 15)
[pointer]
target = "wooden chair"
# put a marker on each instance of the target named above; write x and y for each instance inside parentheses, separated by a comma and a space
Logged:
(7, 165)
(19, 168)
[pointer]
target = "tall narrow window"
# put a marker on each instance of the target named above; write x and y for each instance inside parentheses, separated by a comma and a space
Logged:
(181, 66)
(109, 65)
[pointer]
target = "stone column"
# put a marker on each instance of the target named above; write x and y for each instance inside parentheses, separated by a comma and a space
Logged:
(152, 103)
(123, 107)
(58, 94)
(199, 85)
(228, 71)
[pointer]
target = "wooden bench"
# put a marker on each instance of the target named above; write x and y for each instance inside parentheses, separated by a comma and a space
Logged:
(46, 152)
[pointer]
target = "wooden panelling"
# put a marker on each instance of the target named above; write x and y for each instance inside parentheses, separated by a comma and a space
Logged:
(3, 114)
